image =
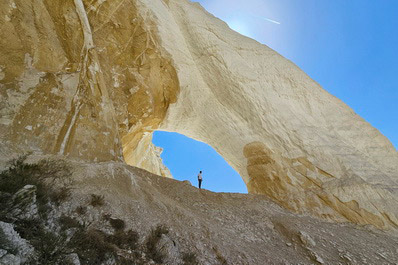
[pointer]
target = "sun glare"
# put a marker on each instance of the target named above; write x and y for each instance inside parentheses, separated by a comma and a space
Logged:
(240, 27)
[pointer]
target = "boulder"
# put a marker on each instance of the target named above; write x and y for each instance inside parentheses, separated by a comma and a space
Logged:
(15, 249)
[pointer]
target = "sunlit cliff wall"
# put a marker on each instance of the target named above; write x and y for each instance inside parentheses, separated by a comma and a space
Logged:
(92, 80)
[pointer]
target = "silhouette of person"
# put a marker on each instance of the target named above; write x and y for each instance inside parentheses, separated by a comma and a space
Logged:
(200, 179)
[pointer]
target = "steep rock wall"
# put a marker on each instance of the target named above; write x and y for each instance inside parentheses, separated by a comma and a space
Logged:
(286, 136)
(92, 80)
(85, 81)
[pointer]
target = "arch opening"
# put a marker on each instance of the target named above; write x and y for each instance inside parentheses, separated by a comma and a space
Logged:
(185, 157)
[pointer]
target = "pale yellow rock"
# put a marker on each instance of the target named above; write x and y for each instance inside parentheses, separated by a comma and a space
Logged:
(93, 79)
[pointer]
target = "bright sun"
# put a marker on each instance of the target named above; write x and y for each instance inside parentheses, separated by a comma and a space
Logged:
(239, 27)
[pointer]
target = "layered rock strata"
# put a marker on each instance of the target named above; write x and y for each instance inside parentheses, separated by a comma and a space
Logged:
(93, 79)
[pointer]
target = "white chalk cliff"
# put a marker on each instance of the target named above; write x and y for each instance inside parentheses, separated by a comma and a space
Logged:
(92, 80)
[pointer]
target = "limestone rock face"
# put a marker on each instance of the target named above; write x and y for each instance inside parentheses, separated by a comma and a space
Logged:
(92, 80)
(80, 80)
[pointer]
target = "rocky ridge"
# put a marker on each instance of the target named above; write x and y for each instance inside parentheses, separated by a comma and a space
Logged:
(118, 214)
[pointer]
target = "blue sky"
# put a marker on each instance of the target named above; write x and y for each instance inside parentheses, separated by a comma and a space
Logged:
(185, 157)
(349, 47)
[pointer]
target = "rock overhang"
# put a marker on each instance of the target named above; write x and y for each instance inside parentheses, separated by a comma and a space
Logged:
(106, 75)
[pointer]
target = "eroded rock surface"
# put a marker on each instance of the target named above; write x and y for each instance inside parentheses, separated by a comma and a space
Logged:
(13, 248)
(141, 218)
(92, 79)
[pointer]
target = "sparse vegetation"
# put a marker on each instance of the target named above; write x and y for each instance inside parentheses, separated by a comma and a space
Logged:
(80, 210)
(68, 222)
(125, 240)
(190, 258)
(60, 195)
(152, 240)
(97, 200)
(39, 174)
(91, 246)
(106, 216)
(220, 258)
(70, 234)
(42, 175)
(48, 245)
(117, 224)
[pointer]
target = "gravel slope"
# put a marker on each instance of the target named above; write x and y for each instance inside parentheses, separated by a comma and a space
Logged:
(219, 227)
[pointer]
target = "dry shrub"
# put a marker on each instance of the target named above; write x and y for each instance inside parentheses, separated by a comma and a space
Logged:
(190, 258)
(117, 224)
(125, 240)
(68, 222)
(61, 195)
(80, 210)
(220, 258)
(91, 246)
(152, 240)
(97, 200)
(42, 175)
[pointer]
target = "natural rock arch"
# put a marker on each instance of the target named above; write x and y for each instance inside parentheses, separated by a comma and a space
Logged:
(94, 80)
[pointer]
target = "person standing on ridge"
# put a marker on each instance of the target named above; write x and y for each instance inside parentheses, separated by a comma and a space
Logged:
(200, 179)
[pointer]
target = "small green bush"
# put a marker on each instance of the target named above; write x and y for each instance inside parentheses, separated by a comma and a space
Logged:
(91, 246)
(48, 245)
(29, 229)
(42, 175)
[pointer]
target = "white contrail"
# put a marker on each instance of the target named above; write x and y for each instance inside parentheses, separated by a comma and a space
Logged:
(267, 19)
(273, 21)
